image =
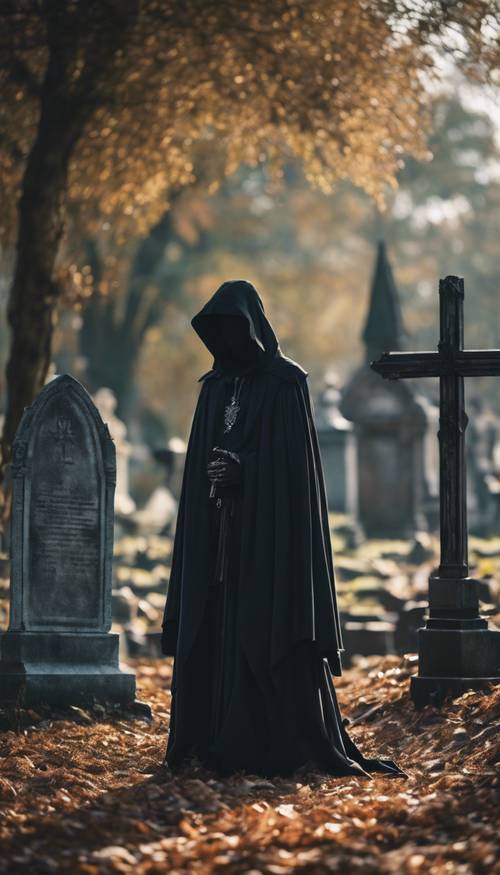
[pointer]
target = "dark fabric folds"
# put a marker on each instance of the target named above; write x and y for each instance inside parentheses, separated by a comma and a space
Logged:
(255, 651)
(286, 582)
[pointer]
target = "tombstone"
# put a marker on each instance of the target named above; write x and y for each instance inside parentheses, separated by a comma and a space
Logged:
(458, 651)
(158, 515)
(430, 462)
(58, 649)
(366, 636)
(172, 458)
(105, 401)
(389, 424)
(338, 450)
(481, 439)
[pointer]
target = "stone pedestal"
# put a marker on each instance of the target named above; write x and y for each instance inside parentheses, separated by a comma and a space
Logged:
(457, 651)
(64, 668)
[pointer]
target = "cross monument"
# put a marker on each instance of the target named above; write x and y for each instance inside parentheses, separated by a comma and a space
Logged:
(457, 650)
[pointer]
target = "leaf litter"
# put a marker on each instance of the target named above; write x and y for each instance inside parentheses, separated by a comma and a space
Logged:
(83, 791)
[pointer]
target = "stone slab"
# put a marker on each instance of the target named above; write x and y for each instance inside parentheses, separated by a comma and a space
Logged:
(433, 691)
(62, 669)
(52, 686)
(459, 653)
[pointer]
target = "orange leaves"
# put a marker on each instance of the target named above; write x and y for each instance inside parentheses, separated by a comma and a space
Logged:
(75, 805)
(334, 84)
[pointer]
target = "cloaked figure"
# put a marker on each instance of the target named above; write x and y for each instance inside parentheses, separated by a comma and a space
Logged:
(251, 614)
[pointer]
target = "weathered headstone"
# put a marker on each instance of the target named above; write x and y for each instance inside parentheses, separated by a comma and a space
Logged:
(105, 401)
(457, 649)
(338, 449)
(481, 438)
(172, 458)
(389, 424)
(367, 636)
(430, 463)
(58, 648)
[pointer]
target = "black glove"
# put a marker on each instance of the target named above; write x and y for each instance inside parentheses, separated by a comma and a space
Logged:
(225, 469)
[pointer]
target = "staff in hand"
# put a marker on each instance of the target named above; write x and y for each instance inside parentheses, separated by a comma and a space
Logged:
(224, 470)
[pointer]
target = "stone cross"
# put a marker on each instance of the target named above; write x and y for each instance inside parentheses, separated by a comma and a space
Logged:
(457, 651)
(58, 648)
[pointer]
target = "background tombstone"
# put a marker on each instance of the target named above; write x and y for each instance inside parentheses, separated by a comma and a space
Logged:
(430, 462)
(337, 445)
(105, 401)
(58, 648)
(481, 439)
(159, 514)
(389, 424)
(338, 453)
(172, 458)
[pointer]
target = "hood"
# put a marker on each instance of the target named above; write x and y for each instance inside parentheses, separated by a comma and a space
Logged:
(234, 328)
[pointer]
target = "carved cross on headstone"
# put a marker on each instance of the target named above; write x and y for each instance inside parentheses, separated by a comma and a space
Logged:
(64, 438)
(451, 663)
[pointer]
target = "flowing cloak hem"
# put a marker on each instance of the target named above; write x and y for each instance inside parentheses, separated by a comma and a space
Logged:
(286, 565)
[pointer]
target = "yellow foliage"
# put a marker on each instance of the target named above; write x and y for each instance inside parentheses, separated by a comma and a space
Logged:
(335, 83)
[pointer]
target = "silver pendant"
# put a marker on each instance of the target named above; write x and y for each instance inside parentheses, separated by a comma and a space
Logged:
(231, 414)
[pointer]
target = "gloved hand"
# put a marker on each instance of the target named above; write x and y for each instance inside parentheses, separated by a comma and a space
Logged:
(225, 469)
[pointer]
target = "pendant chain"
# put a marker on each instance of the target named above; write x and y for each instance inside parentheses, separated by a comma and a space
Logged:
(232, 409)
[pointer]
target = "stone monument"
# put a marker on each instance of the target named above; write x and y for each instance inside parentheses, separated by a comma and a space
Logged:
(172, 458)
(457, 649)
(58, 649)
(105, 401)
(389, 424)
(482, 496)
(338, 449)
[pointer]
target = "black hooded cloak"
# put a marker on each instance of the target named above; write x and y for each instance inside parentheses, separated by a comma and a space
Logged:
(251, 613)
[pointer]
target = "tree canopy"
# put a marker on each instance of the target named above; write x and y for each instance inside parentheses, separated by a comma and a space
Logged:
(337, 84)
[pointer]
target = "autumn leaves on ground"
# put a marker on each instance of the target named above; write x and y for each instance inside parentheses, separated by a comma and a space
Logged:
(85, 792)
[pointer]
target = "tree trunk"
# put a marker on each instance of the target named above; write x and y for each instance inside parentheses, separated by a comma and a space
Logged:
(65, 107)
(34, 294)
(111, 346)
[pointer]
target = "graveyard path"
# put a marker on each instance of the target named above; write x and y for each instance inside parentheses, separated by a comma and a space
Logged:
(86, 793)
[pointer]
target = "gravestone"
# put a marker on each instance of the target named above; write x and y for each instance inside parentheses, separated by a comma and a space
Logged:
(367, 635)
(105, 401)
(457, 649)
(159, 514)
(58, 648)
(430, 463)
(389, 424)
(481, 438)
(172, 458)
(338, 449)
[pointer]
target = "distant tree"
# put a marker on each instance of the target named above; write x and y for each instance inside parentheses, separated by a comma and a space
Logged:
(311, 256)
(115, 322)
(104, 100)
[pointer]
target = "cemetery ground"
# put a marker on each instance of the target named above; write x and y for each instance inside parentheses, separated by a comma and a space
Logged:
(83, 790)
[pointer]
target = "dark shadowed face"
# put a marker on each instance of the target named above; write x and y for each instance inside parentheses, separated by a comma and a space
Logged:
(233, 340)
